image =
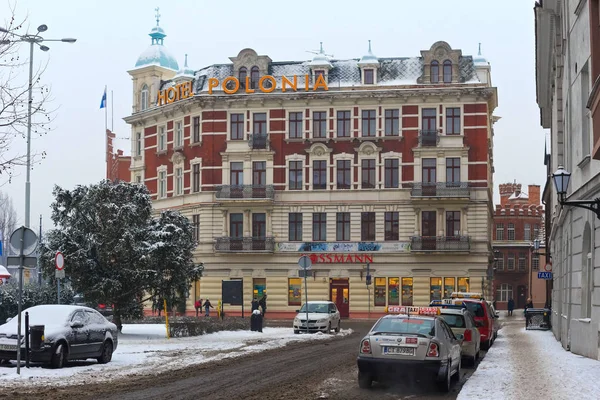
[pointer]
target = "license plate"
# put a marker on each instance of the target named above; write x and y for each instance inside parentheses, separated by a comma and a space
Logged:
(8, 347)
(405, 351)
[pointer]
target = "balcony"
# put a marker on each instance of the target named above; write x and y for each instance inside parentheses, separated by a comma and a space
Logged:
(440, 189)
(440, 243)
(245, 245)
(258, 141)
(428, 138)
(245, 192)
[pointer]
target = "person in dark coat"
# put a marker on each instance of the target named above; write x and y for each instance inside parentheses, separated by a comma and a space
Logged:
(263, 305)
(207, 307)
(511, 306)
(529, 304)
(254, 305)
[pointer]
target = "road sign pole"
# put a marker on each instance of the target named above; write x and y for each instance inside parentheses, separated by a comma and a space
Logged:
(306, 298)
(58, 290)
(20, 305)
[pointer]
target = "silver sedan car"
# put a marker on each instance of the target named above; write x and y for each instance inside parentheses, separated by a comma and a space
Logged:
(410, 343)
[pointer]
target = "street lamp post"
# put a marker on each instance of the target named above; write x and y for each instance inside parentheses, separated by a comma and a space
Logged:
(561, 179)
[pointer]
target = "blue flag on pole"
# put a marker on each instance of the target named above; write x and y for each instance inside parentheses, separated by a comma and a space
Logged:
(103, 102)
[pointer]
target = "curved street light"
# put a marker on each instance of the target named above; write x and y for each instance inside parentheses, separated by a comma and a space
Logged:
(561, 179)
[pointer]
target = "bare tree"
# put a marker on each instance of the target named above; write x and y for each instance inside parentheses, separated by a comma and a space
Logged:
(8, 223)
(14, 98)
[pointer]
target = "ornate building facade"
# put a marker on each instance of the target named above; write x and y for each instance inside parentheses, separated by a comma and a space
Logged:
(379, 165)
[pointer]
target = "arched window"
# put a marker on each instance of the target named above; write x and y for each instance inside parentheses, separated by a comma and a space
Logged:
(144, 98)
(435, 72)
(447, 71)
(254, 76)
(242, 75)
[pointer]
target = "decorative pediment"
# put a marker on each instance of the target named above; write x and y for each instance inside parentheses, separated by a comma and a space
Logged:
(318, 150)
(178, 157)
(440, 52)
(368, 149)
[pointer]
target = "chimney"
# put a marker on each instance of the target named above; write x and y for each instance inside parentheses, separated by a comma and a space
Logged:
(506, 190)
(534, 194)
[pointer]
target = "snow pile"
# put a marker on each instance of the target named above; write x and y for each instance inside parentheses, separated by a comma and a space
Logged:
(531, 364)
(144, 349)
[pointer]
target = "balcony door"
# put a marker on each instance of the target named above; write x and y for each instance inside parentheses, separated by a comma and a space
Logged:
(236, 179)
(259, 231)
(236, 231)
(429, 178)
(428, 230)
(428, 127)
(259, 179)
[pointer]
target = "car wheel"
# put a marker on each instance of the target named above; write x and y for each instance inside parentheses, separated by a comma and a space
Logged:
(59, 357)
(296, 331)
(337, 330)
(456, 376)
(364, 380)
(328, 328)
(107, 351)
(444, 385)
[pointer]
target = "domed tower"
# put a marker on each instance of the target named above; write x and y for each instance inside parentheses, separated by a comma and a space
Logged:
(185, 73)
(369, 64)
(156, 63)
(483, 68)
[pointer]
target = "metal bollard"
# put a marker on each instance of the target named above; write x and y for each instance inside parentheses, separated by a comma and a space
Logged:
(26, 340)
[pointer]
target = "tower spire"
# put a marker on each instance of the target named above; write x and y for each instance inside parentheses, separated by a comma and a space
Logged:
(321, 50)
(157, 15)
(369, 45)
(479, 49)
(185, 63)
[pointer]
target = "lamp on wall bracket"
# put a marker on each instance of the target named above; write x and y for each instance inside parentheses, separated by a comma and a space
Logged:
(536, 247)
(561, 179)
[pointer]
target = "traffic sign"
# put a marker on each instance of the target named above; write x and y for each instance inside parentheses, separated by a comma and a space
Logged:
(59, 260)
(548, 266)
(544, 275)
(29, 244)
(304, 262)
(59, 274)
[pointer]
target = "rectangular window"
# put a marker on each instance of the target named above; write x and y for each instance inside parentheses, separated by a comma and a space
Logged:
(392, 173)
(162, 184)
(504, 292)
(392, 225)
(259, 287)
(428, 170)
(500, 262)
(343, 174)
(138, 179)
(449, 287)
(294, 291)
(162, 139)
(260, 123)
(368, 174)
(178, 181)
(535, 262)
(499, 231)
(522, 262)
(237, 126)
(319, 124)
(296, 125)
(259, 225)
(295, 175)
(343, 124)
(527, 232)
(464, 285)
(435, 289)
(236, 225)
(319, 174)
(369, 76)
(342, 226)
(295, 227)
(452, 223)
(196, 129)
(392, 122)
(428, 120)
(393, 291)
(407, 291)
(369, 123)
(510, 262)
(380, 291)
(195, 178)
(453, 121)
(259, 173)
(236, 172)
(453, 170)
(196, 226)
(179, 134)
(138, 144)
(367, 226)
(511, 231)
(319, 227)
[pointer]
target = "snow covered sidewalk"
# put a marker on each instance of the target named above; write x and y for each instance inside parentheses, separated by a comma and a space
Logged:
(144, 349)
(531, 365)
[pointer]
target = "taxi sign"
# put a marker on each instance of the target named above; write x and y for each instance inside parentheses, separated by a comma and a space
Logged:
(414, 310)
(467, 295)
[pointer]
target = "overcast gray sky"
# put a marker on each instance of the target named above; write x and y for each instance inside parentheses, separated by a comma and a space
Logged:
(111, 35)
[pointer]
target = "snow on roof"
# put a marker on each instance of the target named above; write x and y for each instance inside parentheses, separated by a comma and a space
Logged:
(519, 196)
(4, 272)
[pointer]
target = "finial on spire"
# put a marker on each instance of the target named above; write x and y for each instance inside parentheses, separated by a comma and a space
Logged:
(321, 50)
(369, 45)
(479, 49)
(157, 15)
(185, 64)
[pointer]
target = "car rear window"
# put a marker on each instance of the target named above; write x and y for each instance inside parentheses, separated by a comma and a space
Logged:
(475, 308)
(406, 326)
(454, 320)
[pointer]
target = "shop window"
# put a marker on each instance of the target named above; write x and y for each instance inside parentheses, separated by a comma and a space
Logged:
(435, 289)
(380, 291)
(394, 291)
(259, 287)
(463, 285)
(294, 291)
(407, 291)
(448, 287)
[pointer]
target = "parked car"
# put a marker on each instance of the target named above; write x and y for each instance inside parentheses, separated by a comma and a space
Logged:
(70, 333)
(410, 343)
(461, 322)
(475, 302)
(323, 316)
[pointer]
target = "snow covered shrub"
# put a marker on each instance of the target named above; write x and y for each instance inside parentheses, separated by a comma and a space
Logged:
(33, 295)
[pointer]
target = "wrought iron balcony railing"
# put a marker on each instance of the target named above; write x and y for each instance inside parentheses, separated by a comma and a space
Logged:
(440, 243)
(245, 244)
(428, 138)
(264, 192)
(440, 189)
(258, 141)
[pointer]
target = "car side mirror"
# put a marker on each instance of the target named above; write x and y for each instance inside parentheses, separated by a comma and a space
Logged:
(478, 324)
(297, 311)
(76, 324)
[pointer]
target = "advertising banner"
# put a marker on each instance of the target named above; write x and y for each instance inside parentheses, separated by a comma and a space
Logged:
(343, 247)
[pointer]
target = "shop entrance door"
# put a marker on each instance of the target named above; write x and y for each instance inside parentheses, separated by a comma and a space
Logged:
(522, 296)
(339, 293)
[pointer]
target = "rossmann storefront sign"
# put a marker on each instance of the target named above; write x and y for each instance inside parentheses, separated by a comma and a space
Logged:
(231, 85)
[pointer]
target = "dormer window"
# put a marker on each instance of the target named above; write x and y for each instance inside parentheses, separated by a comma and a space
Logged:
(369, 76)
(242, 75)
(447, 71)
(144, 98)
(319, 72)
(254, 77)
(435, 72)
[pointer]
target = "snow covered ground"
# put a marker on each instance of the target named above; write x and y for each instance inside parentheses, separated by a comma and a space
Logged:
(144, 349)
(531, 364)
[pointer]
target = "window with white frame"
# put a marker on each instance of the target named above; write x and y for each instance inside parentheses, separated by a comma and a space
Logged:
(504, 292)
(511, 231)
(295, 124)
(178, 181)
(178, 134)
(138, 144)
(510, 264)
(162, 138)
(499, 231)
(319, 180)
(196, 129)
(369, 123)
(535, 262)
(344, 126)
(319, 124)
(295, 172)
(392, 172)
(144, 96)
(522, 262)
(527, 232)
(343, 174)
(392, 122)
(162, 183)
(196, 226)
(500, 262)
(195, 178)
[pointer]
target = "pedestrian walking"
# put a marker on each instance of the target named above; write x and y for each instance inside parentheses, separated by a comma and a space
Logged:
(528, 305)
(198, 306)
(254, 305)
(263, 305)
(207, 307)
(511, 306)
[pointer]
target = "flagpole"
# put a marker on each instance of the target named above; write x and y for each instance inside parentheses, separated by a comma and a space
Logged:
(112, 111)
(106, 124)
